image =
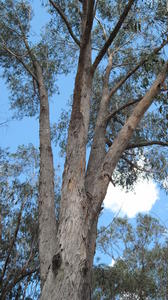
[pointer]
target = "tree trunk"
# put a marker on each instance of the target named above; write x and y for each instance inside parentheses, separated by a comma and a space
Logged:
(70, 274)
(47, 218)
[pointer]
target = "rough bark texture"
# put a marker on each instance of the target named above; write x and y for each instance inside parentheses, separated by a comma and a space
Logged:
(70, 276)
(47, 219)
(72, 279)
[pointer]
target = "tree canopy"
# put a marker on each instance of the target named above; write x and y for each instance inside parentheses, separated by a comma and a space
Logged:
(139, 256)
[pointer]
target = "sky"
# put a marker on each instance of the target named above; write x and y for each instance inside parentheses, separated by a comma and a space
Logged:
(139, 200)
(146, 196)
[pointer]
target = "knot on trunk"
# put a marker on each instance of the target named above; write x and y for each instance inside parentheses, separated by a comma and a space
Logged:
(84, 267)
(56, 263)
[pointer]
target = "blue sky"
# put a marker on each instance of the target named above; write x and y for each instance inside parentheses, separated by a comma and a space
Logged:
(25, 131)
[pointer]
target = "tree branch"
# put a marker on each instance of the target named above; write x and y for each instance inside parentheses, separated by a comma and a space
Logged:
(31, 55)
(20, 60)
(130, 73)
(64, 18)
(20, 274)
(3, 123)
(96, 3)
(118, 120)
(97, 152)
(12, 242)
(122, 140)
(104, 33)
(16, 280)
(112, 35)
(147, 143)
(88, 10)
(114, 112)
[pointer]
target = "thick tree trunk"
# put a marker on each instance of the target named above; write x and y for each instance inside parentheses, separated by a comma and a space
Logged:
(70, 274)
(47, 218)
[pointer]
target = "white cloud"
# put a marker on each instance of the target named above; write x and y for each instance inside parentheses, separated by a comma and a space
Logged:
(130, 203)
(112, 263)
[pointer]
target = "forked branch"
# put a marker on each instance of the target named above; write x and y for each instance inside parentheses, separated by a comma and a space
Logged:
(122, 140)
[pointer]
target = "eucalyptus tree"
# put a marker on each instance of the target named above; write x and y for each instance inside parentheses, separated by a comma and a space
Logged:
(19, 266)
(19, 253)
(114, 39)
(139, 269)
(120, 72)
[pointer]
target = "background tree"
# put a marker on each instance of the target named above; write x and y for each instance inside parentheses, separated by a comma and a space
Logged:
(19, 253)
(138, 252)
(19, 267)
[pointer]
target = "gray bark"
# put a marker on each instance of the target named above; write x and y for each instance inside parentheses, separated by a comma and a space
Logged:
(47, 218)
(69, 276)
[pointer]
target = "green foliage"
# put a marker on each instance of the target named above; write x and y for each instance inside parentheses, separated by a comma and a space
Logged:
(142, 31)
(17, 53)
(59, 131)
(72, 11)
(139, 253)
(19, 229)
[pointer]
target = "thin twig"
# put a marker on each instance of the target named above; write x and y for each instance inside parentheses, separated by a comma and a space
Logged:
(131, 72)
(12, 241)
(12, 53)
(64, 18)
(114, 112)
(147, 143)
